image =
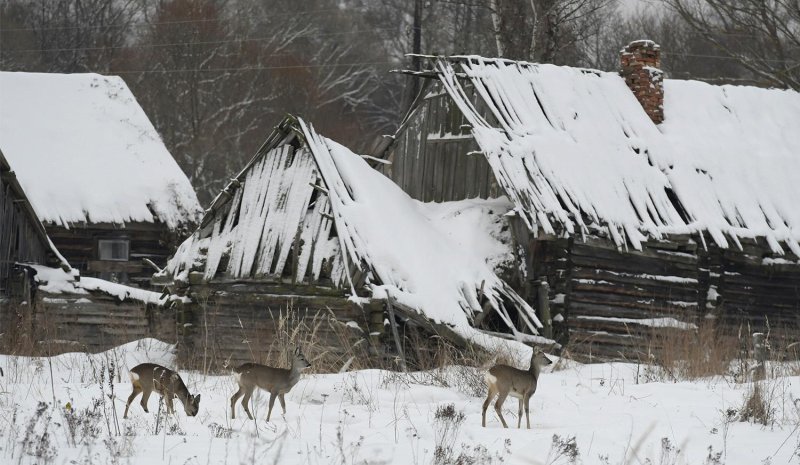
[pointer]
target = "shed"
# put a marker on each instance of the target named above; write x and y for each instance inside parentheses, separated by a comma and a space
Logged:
(95, 171)
(641, 202)
(310, 232)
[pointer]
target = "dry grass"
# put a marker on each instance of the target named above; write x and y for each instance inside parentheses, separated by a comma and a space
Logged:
(710, 350)
(30, 331)
(757, 407)
(328, 343)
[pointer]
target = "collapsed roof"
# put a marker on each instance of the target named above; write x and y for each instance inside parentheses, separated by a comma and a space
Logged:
(309, 210)
(575, 151)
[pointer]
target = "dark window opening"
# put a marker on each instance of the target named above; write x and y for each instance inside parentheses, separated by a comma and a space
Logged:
(113, 249)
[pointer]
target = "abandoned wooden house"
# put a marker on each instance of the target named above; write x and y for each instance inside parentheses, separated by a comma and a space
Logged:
(638, 202)
(44, 300)
(308, 232)
(95, 171)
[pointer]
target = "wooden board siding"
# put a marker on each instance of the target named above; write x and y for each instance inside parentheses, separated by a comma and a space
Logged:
(435, 157)
(79, 244)
(22, 238)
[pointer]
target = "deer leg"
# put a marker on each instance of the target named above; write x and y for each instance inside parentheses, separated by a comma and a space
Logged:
(246, 403)
(272, 397)
(519, 415)
(234, 398)
(498, 407)
(486, 403)
(283, 402)
(145, 398)
(528, 411)
(136, 391)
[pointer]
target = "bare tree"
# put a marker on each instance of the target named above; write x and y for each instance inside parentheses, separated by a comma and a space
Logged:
(546, 31)
(762, 35)
(66, 35)
(684, 53)
(215, 76)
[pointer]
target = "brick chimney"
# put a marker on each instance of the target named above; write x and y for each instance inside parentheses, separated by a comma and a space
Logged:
(641, 68)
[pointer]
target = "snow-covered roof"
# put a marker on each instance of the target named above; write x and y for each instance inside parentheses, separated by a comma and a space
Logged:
(574, 150)
(84, 151)
(359, 222)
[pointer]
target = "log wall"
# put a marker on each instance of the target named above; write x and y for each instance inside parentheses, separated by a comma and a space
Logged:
(232, 323)
(756, 287)
(79, 245)
(613, 301)
(59, 323)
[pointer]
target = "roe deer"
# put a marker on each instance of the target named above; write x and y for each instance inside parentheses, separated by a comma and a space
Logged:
(504, 380)
(149, 377)
(276, 381)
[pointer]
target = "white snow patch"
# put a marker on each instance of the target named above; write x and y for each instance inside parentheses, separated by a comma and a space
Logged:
(57, 281)
(652, 322)
(375, 416)
(354, 325)
(777, 261)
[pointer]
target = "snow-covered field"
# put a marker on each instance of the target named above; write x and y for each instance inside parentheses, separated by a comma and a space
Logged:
(589, 414)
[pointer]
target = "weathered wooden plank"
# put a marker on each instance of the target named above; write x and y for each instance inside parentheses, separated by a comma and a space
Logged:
(623, 301)
(271, 287)
(581, 307)
(633, 264)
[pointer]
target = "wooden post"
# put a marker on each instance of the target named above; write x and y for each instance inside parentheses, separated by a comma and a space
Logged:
(544, 309)
(760, 355)
(375, 326)
(395, 334)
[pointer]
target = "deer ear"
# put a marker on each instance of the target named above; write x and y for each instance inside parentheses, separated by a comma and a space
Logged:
(197, 398)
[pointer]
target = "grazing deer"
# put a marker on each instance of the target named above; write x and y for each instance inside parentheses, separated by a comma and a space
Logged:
(504, 380)
(149, 377)
(276, 381)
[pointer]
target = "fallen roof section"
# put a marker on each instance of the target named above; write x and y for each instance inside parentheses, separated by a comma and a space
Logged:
(412, 263)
